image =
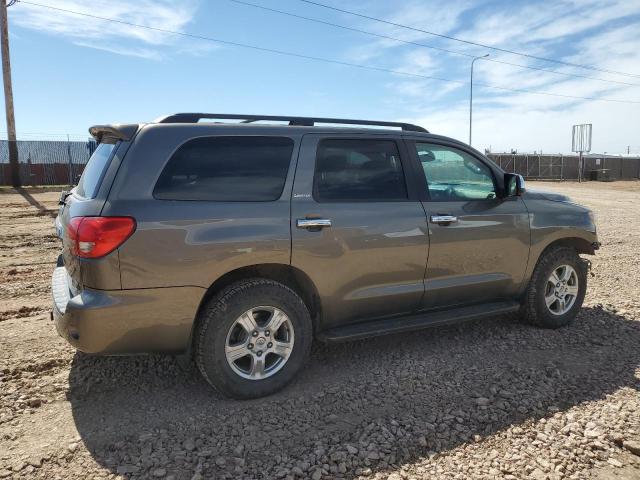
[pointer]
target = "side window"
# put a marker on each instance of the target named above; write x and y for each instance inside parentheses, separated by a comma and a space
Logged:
(358, 170)
(227, 169)
(453, 175)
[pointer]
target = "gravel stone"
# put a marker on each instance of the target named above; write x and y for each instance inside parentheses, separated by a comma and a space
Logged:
(632, 446)
(487, 399)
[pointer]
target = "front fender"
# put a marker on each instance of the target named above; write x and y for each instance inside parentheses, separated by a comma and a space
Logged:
(559, 223)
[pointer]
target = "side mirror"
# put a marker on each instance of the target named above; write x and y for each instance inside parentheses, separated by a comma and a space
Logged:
(514, 185)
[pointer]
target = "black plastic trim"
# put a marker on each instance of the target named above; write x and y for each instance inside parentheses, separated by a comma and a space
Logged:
(419, 321)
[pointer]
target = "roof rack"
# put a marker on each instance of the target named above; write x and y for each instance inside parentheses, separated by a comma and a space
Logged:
(299, 121)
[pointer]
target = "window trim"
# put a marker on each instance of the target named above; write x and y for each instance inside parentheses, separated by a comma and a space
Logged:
(424, 188)
(402, 153)
(294, 153)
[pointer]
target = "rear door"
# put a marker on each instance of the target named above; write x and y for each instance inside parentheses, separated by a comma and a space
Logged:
(358, 228)
(479, 242)
(85, 199)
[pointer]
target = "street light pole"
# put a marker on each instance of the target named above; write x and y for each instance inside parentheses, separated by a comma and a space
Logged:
(471, 94)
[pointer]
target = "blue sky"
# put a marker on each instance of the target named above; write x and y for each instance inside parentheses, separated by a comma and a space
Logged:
(70, 72)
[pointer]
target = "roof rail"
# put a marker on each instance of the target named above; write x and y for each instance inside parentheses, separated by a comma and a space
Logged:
(300, 121)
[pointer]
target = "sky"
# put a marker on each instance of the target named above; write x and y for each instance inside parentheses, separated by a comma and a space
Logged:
(71, 72)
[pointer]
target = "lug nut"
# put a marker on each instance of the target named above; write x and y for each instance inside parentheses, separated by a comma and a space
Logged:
(266, 333)
(259, 353)
(269, 345)
(255, 333)
(250, 346)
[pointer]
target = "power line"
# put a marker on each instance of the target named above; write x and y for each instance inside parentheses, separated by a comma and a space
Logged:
(418, 44)
(326, 60)
(64, 135)
(469, 42)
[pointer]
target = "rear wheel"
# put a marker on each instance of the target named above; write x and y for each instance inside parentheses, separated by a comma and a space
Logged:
(252, 338)
(557, 288)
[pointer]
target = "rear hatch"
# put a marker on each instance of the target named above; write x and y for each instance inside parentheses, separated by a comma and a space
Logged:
(84, 200)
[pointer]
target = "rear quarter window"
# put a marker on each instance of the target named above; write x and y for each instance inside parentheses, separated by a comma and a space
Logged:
(227, 169)
(89, 182)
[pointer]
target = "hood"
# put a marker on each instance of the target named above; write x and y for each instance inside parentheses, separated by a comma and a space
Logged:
(543, 195)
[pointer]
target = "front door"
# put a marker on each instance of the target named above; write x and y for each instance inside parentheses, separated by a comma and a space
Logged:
(359, 230)
(479, 243)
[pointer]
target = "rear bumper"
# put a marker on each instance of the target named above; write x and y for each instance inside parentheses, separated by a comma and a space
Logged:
(153, 320)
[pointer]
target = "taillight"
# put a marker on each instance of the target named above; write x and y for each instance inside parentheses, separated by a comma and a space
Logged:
(93, 237)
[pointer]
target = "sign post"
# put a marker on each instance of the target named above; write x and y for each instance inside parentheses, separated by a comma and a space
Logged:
(580, 143)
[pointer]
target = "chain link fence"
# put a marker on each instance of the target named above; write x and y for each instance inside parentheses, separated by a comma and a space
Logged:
(565, 167)
(52, 162)
(46, 162)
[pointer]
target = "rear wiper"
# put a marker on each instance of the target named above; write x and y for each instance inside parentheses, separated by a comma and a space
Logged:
(63, 196)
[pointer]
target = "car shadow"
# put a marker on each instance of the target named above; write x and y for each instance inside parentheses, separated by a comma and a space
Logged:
(413, 395)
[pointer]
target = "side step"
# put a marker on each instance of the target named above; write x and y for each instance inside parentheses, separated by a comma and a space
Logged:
(384, 326)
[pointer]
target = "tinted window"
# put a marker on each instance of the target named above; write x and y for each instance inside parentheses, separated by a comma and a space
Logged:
(359, 170)
(454, 175)
(92, 174)
(227, 169)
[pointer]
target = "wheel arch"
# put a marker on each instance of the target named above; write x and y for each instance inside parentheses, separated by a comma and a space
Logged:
(290, 276)
(579, 244)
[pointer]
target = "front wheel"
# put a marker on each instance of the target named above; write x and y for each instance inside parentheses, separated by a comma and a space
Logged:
(252, 338)
(556, 289)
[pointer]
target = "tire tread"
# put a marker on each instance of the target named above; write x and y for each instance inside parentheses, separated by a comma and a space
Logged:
(530, 310)
(215, 309)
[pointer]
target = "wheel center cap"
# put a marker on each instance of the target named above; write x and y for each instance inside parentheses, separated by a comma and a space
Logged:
(261, 341)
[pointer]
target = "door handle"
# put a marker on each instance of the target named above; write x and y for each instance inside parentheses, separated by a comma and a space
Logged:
(313, 223)
(443, 219)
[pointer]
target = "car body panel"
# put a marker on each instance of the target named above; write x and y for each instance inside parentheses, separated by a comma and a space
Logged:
(555, 221)
(371, 261)
(481, 257)
(193, 243)
(127, 321)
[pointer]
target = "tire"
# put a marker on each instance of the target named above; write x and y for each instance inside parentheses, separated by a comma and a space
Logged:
(223, 329)
(535, 309)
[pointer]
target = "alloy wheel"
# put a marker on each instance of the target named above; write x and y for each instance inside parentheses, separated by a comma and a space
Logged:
(259, 342)
(561, 289)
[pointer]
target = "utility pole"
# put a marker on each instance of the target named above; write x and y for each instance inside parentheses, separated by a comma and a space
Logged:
(8, 94)
(471, 94)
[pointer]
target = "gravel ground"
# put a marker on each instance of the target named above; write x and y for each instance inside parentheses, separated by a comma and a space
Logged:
(488, 399)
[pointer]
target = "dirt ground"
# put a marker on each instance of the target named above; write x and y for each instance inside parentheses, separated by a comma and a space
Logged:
(487, 399)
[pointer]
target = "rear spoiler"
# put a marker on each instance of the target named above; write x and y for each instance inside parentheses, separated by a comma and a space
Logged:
(124, 132)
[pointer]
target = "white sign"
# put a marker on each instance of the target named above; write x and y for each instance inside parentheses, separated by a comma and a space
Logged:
(581, 138)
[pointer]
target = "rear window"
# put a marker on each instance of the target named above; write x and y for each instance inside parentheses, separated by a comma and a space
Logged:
(359, 170)
(92, 174)
(227, 169)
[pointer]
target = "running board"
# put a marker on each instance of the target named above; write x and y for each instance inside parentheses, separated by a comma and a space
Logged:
(408, 323)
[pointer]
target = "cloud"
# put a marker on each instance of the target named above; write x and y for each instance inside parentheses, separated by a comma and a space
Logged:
(529, 129)
(602, 32)
(118, 38)
(443, 13)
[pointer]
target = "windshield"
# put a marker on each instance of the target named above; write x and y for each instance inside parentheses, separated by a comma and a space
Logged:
(92, 175)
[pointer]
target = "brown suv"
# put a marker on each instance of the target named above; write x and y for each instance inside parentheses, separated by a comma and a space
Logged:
(239, 243)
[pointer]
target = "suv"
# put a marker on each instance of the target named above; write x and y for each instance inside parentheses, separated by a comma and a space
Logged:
(239, 243)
